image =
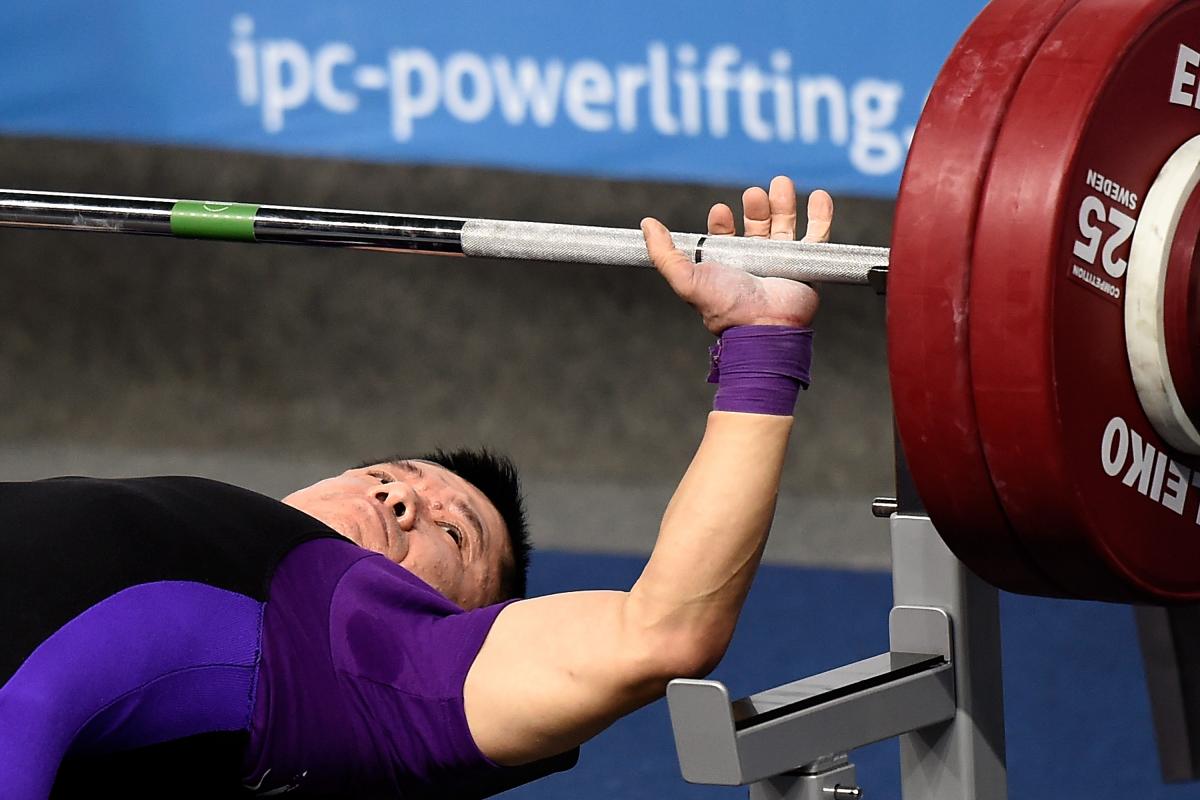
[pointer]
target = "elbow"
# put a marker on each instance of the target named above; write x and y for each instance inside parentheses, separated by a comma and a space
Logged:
(665, 644)
(668, 644)
(691, 653)
(705, 653)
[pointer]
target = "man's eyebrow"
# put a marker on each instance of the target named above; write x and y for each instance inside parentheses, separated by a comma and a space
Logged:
(472, 518)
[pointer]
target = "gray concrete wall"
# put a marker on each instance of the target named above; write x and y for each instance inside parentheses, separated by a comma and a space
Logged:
(270, 365)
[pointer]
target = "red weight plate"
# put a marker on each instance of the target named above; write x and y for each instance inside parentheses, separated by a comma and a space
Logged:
(1097, 496)
(928, 283)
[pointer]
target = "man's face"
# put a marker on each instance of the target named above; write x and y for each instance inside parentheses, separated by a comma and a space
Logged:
(421, 516)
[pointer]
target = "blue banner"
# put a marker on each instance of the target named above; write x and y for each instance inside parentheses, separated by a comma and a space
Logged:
(697, 91)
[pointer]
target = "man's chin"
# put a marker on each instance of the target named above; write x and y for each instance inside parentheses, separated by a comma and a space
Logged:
(346, 526)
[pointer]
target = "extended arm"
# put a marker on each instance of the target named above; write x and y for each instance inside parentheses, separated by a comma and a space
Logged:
(556, 670)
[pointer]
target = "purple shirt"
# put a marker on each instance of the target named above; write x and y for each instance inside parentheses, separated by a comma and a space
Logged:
(361, 681)
(201, 631)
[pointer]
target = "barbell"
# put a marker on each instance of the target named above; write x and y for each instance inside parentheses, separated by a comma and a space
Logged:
(397, 233)
(1043, 289)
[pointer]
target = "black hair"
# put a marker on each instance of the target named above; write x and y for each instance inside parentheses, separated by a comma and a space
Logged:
(495, 476)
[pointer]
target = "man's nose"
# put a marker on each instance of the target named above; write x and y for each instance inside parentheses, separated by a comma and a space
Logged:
(401, 500)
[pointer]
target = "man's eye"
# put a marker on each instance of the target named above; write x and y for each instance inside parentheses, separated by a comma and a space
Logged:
(454, 533)
(383, 477)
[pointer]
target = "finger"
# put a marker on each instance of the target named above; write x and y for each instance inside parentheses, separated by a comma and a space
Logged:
(820, 216)
(667, 259)
(720, 220)
(782, 198)
(756, 212)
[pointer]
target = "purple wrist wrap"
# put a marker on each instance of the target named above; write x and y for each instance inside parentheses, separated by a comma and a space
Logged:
(760, 369)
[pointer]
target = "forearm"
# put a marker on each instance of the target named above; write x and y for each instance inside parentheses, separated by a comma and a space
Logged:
(713, 533)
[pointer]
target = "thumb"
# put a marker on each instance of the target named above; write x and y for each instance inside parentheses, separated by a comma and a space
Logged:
(667, 259)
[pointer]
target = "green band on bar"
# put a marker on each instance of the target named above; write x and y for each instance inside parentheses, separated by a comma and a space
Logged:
(213, 220)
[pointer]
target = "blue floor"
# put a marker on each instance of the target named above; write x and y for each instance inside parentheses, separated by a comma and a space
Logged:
(1077, 715)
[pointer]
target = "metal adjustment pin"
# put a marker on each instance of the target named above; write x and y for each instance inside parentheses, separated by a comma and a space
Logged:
(884, 507)
(847, 792)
